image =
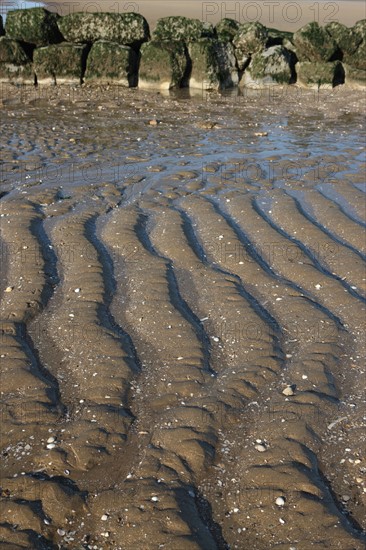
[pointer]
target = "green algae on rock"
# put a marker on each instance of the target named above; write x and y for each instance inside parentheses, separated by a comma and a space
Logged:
(163, 65)
(36, 26)
(60, 63)
(250, 38)
(346, 39)
(319, 75)
(314, 43)
(112, 63)
(129, 29)
(226, 29)
(356, 78)
(273, 66)
(213, 65)
(179, 28)
(15, 64)
(358, 58)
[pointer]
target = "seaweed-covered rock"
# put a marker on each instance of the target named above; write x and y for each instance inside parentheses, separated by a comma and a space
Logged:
(184, 29)
(15, 63)
(1, 26)
(112, 63)
(358, 58)
(277, 37)
(251, 38)
(60, 63)
(226, 29)
(346, 39)
(318, 75)
(314, 43)
(213, 65)
(273, 66)
(356, 78)
(359, 28)
(35, 26)
(163, 65)
(129, 29)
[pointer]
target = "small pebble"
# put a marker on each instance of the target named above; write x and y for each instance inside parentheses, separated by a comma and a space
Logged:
(280, 501)
(104, 517)
(154, 499)
(289, 390)
(77, 290)
(50, 446)
(51, 439)
(260, 448)
(346, 498)
(153, 122)
(9, 289)
(61, 532)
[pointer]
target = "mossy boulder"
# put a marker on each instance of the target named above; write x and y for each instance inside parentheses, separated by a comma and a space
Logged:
(272, 67)
(15, 63)
(358, 58)
(60, 63)
(359, 28)
(213, 65)
(163, 65)
(355, 78)
(112, 63)
(346, 39)
(251, 38)
(128, 29)
(182, 29)
(314, 43)
(226, 29)
(319, 75)
(35, 26)
(277, 37)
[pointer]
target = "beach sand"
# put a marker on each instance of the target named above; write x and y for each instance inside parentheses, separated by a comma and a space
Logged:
(182, 319)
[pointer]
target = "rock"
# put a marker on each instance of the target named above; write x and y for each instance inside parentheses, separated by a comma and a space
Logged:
(15, 63)
(182, 29)
(317, 75)
(358, 58)
(60, 63)
(226, 29)
(359, 28)
(277, 37)
(128, 29)
(314, 43)
(280, 501)
(163, 65)
(260, 448)
(112, 63)
(213, 65)
(356, 78)
(273, 66)
(35, 26)
(289, 390)
(346, 39)
(251, 38)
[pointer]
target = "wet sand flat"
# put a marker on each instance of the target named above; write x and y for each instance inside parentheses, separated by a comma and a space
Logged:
(182, 318)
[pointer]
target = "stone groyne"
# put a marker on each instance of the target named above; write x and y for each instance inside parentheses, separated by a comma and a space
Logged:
(40, 47)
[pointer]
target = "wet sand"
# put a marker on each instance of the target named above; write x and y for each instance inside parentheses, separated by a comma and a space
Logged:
(182, 319)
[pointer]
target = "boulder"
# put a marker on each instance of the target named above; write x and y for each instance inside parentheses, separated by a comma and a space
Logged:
(213, 65)
(112, 63)
(15, 63)
(273, 66)
(251, 38)
(314, 43)
(346, 38)
(182, 29)
(318, 75)
(163, 65)
(355, 78)
(226, 29)
(277, 37)
(358, 58)
(35, 26)
(128, 29)
(359, 28)
(60, 63)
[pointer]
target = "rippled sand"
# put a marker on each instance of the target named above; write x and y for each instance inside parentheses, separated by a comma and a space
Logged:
(162, 284)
